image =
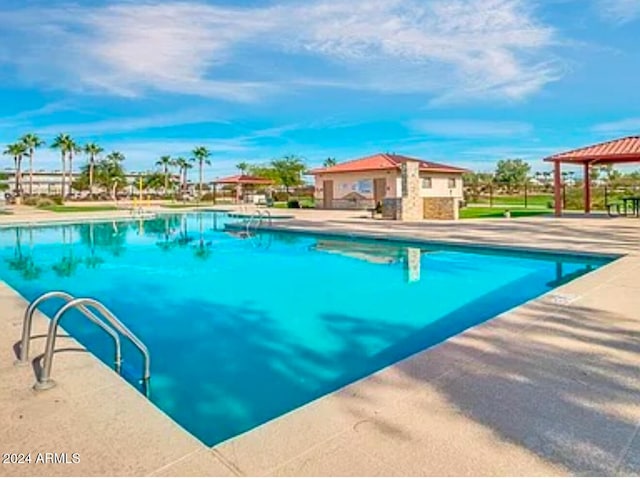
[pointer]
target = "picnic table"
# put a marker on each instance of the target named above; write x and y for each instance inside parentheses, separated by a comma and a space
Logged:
(635, 206)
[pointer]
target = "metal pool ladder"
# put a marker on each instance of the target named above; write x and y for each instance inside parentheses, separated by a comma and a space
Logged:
(259, 216)
(111, 326)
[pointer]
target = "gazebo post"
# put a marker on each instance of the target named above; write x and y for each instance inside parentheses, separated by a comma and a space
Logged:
(587, 188)
(557, 188)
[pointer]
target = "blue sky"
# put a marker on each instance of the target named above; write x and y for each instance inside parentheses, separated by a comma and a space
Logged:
(465, 82)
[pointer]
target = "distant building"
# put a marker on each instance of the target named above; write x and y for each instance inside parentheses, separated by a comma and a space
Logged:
(48, 182)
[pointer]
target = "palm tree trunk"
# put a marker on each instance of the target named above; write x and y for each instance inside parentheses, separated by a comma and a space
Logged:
(200, 187)
(17, 179)
(91, 162)
(31, 172)
(71, 171)
(63, 156)
(19, 175)
(166, 179)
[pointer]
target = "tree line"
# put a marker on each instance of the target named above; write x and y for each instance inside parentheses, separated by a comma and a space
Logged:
(107, 171)
(516, 172)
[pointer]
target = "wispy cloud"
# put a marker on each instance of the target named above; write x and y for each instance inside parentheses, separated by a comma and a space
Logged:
(132, 124)
(449, 49)
(619, 127)
(619, 11)
(456, 128)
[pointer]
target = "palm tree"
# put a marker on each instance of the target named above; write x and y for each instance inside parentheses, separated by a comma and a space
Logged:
(165, 162)
(32, 142)
(72, 148)
(113, 171)
(183, 164)
(329, 162)
(115, 157)
(62, 142)
(243, 167)
(17, 151)
(201, 155)
(93, 150)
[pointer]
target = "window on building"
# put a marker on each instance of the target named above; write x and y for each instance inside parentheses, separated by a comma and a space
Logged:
(426, 182)
(452, 182)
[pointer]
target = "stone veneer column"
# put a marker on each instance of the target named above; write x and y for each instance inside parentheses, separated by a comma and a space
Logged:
(411, 207)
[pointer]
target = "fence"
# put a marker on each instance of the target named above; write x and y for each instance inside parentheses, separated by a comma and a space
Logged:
(541, 197)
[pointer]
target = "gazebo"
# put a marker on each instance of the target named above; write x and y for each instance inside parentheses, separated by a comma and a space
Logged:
(622, 150)
(240, 181)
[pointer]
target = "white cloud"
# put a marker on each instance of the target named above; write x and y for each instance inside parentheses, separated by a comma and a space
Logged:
(450, 49)
(470, 128)
(619, 11)
(123, 125)
(627, 125)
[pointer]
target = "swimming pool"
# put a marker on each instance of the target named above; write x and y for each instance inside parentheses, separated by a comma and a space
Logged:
(242, 330)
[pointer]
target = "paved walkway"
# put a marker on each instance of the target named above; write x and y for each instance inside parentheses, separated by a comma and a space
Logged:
(549, 388)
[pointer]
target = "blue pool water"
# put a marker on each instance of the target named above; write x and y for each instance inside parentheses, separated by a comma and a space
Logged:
(242, 330)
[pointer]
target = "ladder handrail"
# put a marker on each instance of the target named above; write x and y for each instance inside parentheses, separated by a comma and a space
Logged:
(45, 382)
(259, 215)
(28, 322)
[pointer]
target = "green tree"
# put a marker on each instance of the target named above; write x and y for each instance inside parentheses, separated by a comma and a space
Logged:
(153, 181)
(92, 150)
(243, 167)
(165, 162)
(63, 142)
(32, 142)
(512, 172)
(288, 171)
(110, 174)
(263, 171)
(17, 151)
(201, 157)
(329, 162)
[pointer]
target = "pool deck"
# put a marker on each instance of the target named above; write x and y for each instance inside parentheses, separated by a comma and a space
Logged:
(551, 387)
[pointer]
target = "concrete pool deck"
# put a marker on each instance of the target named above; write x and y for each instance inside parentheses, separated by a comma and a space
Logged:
(551, 387)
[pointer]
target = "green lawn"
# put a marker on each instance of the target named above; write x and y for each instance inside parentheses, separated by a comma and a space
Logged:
(540, 200)
(183, 205)
(487, 212)
(78, 208)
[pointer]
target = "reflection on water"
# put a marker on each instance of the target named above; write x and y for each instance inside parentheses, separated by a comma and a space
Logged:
(72, 247)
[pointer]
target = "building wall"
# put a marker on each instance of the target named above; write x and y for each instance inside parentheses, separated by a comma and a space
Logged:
(355, 190)
(440, 185)
(347, 184)
(441, 208)
(48, 183)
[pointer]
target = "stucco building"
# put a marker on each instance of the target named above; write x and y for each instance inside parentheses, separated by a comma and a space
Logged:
(434, 190)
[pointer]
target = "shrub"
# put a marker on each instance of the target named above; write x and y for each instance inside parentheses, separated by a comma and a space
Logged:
(45, 202)
(30, 201)
(293, 204)
(280, 196)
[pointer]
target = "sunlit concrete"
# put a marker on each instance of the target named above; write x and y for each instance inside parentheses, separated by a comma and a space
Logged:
(549, 388)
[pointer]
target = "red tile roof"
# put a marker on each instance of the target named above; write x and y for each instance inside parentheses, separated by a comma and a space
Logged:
(244, 179)
(625, 149)
(385, 161)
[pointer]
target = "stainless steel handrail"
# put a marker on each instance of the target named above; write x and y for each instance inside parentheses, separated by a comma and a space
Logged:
(27, 323)
(259, 216)
(45, 382)
(268, 214)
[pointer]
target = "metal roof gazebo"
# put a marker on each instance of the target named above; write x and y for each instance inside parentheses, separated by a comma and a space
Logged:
(622, 150)
(239, 181)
